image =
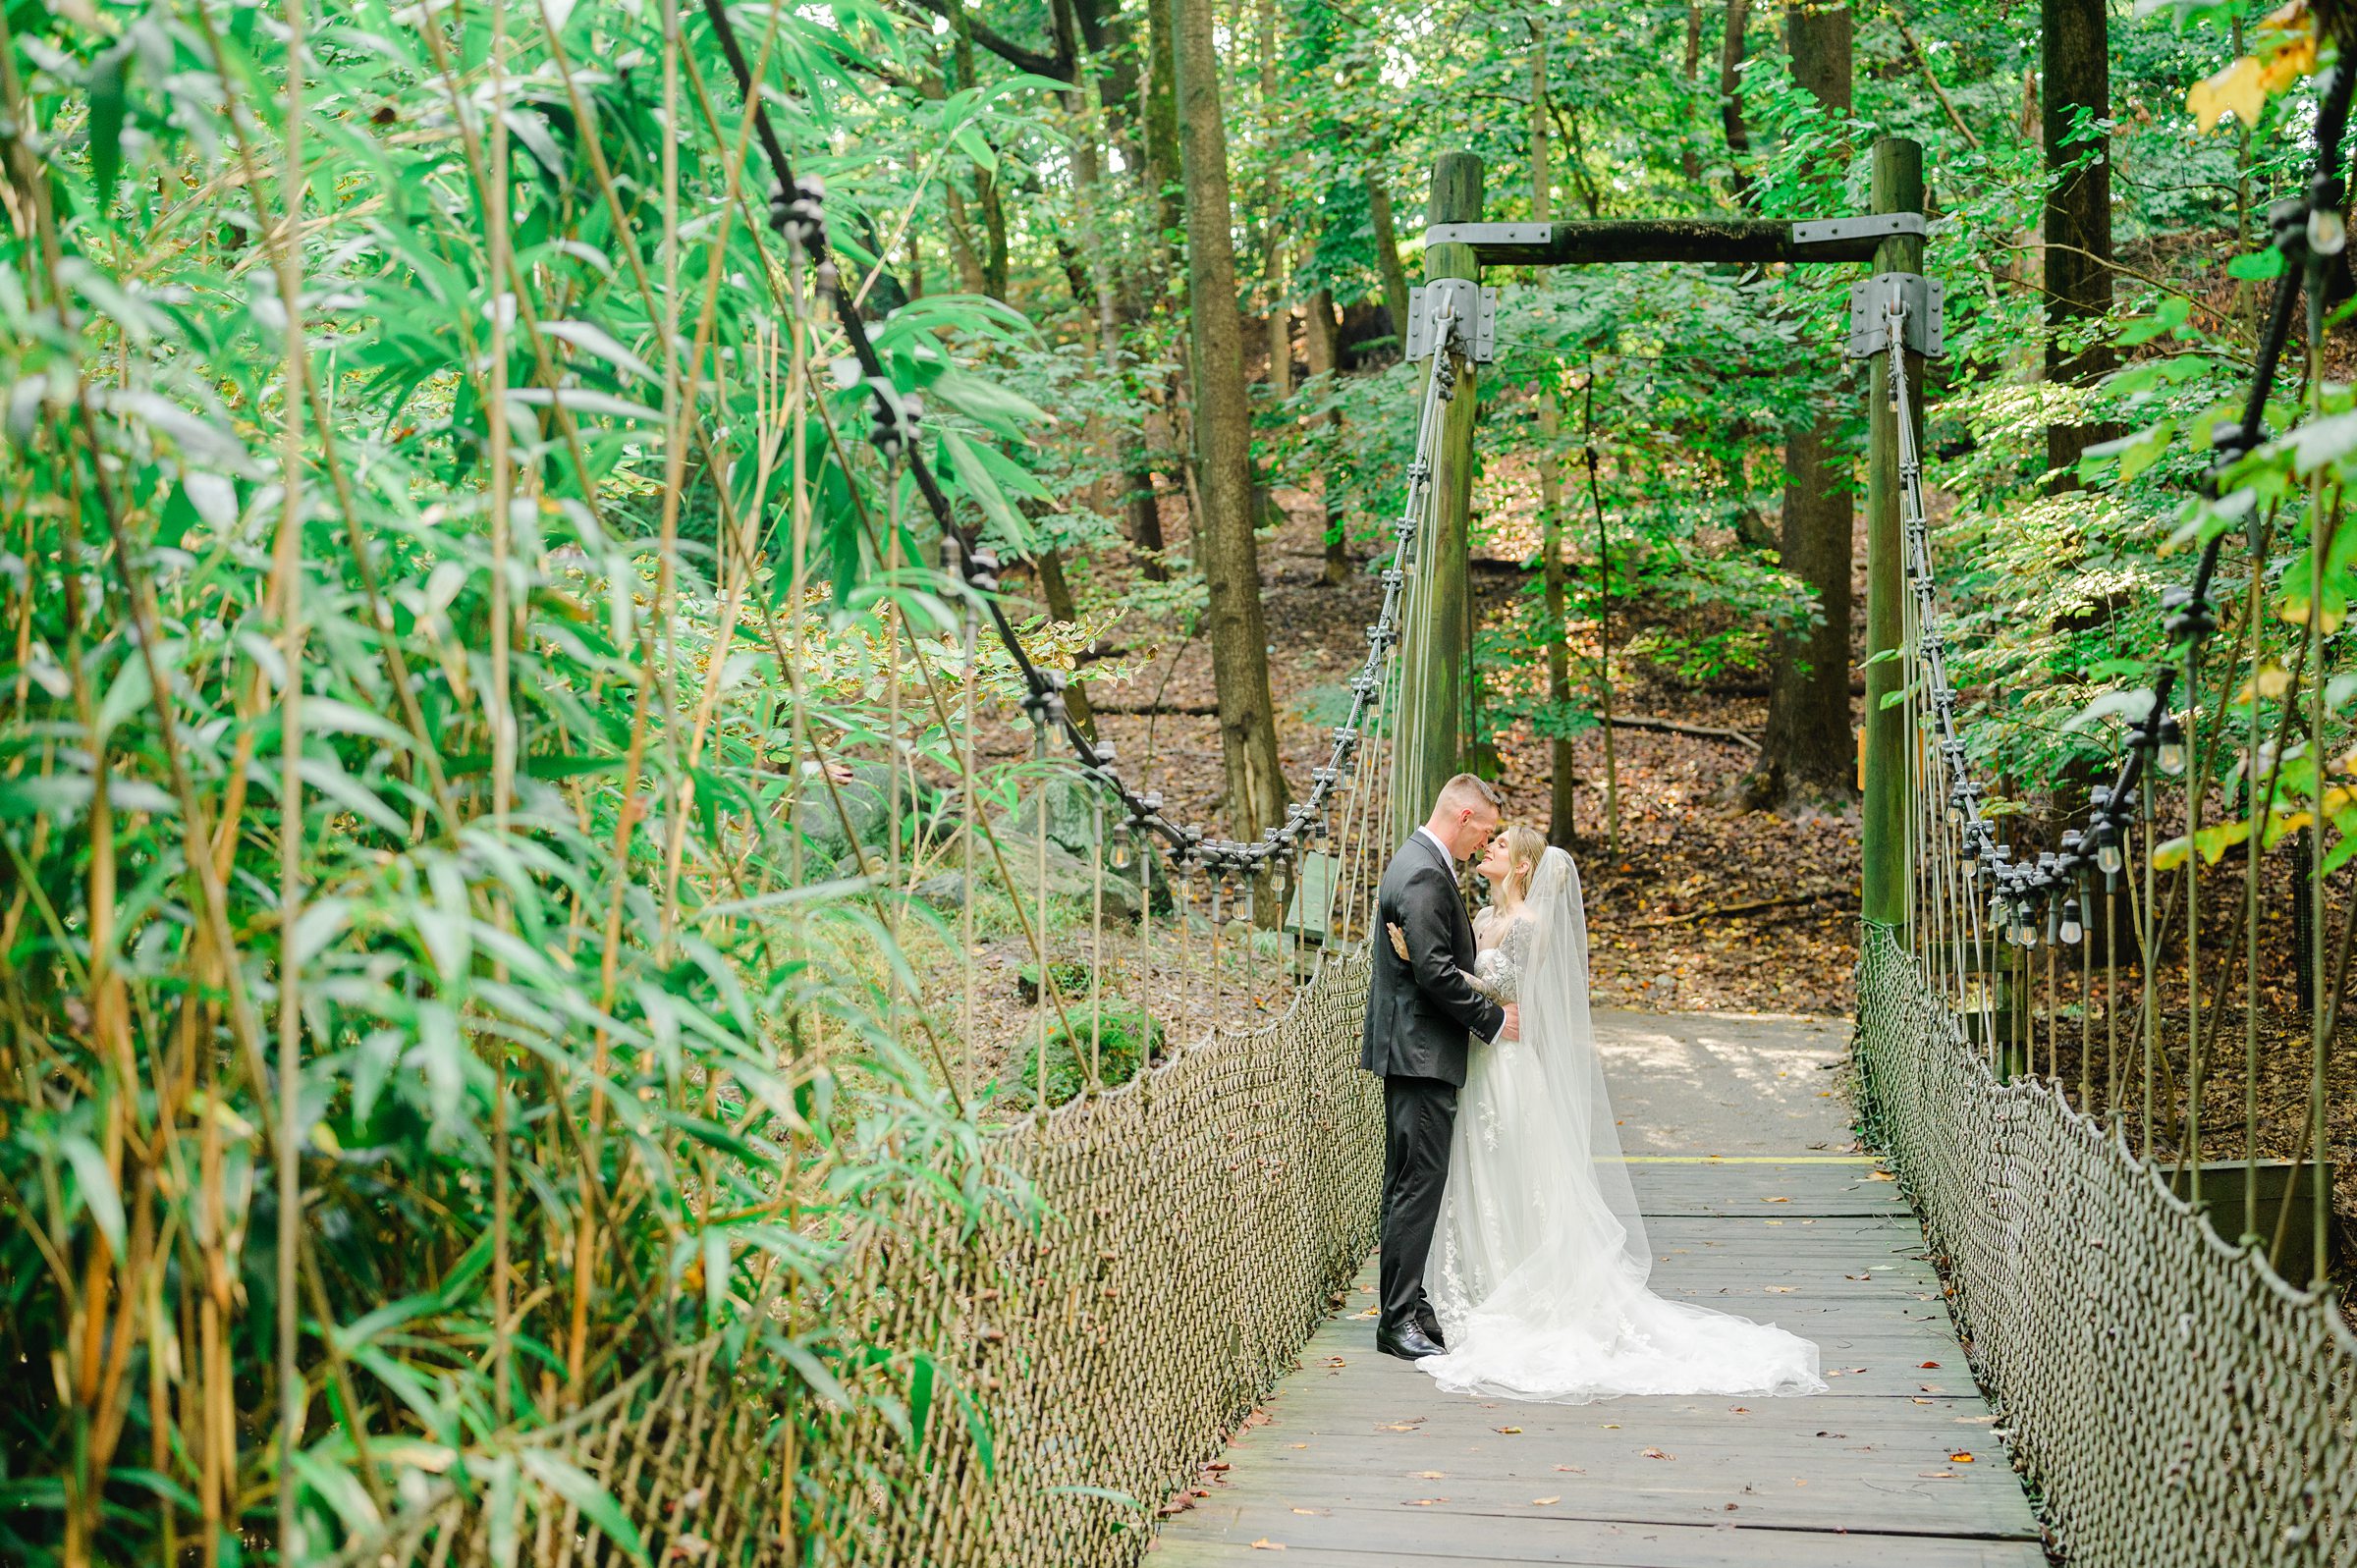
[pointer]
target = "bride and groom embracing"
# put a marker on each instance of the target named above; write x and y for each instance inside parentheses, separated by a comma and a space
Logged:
(1514, 1263)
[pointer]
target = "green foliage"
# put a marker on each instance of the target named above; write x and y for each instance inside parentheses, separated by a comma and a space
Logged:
(1123, 1039)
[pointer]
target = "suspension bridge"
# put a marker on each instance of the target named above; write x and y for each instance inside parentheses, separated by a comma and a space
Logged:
(2033, 1293)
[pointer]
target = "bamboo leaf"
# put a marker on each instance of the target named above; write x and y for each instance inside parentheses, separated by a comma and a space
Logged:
(96, 1185)
(581, 1489)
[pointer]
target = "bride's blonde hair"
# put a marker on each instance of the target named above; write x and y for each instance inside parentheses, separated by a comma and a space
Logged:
(1523, 847)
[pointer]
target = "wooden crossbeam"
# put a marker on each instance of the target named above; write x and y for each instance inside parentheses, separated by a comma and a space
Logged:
(1741, 241)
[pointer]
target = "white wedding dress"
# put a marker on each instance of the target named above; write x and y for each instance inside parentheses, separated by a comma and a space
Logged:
(1539, 1261)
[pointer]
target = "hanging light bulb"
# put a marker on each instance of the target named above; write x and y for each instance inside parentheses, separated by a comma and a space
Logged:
(1955, 810)
(2072, 930)
(2108, 858)
(2173, 747)
(1124, 852)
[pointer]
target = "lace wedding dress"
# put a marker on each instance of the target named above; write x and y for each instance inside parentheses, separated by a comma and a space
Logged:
(1540, 1261)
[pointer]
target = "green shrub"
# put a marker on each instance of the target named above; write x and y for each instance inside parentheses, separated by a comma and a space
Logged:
(1127, 1038)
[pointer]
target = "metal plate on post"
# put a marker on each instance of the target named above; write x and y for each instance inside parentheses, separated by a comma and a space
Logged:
(1473, 318)
(1869, 299)
(1874, 226)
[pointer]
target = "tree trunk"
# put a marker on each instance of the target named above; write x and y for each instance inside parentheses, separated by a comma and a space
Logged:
(2075, 50)
(1690, 160)
(989, 273)
(1272, 232)
(1222, 441)
(1161, 172)
(1321, 337)
(1807, 745)
(1730, 96)
(1562, 770)
(1387, 256)
(1057, 595)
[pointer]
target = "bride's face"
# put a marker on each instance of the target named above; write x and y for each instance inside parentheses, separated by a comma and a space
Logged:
(1494, 867)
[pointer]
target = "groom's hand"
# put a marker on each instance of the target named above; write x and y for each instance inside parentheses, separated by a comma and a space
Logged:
(1511, 1029)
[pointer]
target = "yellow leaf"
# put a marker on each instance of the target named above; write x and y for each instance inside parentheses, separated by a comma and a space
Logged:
(2289, 64)
(2170, 855)
(2239, 90)
(2215, 842)
(1546, 1503)
(2273, 681)
(1263, 1544)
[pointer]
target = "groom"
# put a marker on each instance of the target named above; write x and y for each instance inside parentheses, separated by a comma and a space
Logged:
(1421, 1014)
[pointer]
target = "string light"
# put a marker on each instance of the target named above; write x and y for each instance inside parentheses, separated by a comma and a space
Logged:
(2173, 746)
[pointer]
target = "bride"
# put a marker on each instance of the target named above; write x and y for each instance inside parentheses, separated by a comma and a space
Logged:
(1539, 1261)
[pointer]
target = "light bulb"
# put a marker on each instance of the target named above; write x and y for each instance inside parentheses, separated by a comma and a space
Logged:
(1955, 813)
(1972, 864)
(2072, 930)
(2327, 233)
(1124, 855)
(2108, 858)
(2173, 747)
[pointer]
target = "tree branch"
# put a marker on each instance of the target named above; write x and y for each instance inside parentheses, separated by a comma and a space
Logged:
(1056, 67)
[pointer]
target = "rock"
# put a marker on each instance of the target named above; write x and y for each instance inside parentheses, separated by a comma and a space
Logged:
(866, 797)
(1069, 876)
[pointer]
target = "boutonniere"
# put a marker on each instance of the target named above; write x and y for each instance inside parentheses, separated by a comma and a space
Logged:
(1398, 940)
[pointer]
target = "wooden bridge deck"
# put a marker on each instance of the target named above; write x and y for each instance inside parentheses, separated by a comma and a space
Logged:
(1361, 1461)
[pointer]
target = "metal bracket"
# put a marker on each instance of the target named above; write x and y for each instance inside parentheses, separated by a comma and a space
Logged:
(1473, 319)
(1489, 233)
(1824, 231)
(1869, 306)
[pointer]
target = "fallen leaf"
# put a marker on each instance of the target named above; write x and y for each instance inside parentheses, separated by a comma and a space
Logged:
(1936, 1474)
(1263, 1544)
(1655, 1453)
(1296, 1445)
(1780, 1290)
(1315, 1513)
(1572, 1470)
(1932, 1364)
(1544, 1502)
(1431, 1475)
(1511, 1432)
(1425, 1503)
(1336, 1361)
(1880, 1176)
(1960, 1459)
(1775, 1200)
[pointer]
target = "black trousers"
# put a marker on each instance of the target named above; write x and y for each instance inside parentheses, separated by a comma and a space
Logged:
(1418, 1115)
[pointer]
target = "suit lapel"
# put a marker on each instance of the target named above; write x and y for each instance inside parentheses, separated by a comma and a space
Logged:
(1465, 916)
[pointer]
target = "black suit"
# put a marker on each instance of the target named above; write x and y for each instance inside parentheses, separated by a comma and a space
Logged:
(1421, 1015)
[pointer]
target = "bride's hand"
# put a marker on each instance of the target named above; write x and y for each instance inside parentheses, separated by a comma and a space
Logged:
(1511, 1029)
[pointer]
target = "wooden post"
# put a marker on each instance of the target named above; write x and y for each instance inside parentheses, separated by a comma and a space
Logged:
(1897, 186)
(1434, 668)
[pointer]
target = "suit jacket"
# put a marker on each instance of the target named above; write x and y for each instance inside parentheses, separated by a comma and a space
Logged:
(1422, 1009)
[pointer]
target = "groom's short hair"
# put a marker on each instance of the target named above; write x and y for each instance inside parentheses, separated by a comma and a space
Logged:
(1469, 790)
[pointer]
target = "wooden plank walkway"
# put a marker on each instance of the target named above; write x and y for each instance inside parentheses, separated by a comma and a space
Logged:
(1361, 1461)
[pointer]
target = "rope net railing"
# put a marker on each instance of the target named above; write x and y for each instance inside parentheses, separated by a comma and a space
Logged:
(2169, 1396)
(2144, 1289)
(1039, 1382)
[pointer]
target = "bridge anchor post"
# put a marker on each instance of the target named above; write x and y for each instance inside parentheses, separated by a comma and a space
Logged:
(1436, 659)
(1897, 186)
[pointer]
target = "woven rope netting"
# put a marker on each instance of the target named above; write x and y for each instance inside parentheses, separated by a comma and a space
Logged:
(1081, 1362)
(2171, 1398)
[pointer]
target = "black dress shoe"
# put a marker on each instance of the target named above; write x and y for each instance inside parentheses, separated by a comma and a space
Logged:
(1432, 1330)
(1409, 1342)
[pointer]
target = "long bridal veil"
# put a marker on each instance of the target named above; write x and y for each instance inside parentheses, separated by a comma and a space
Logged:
(1541, 1260)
